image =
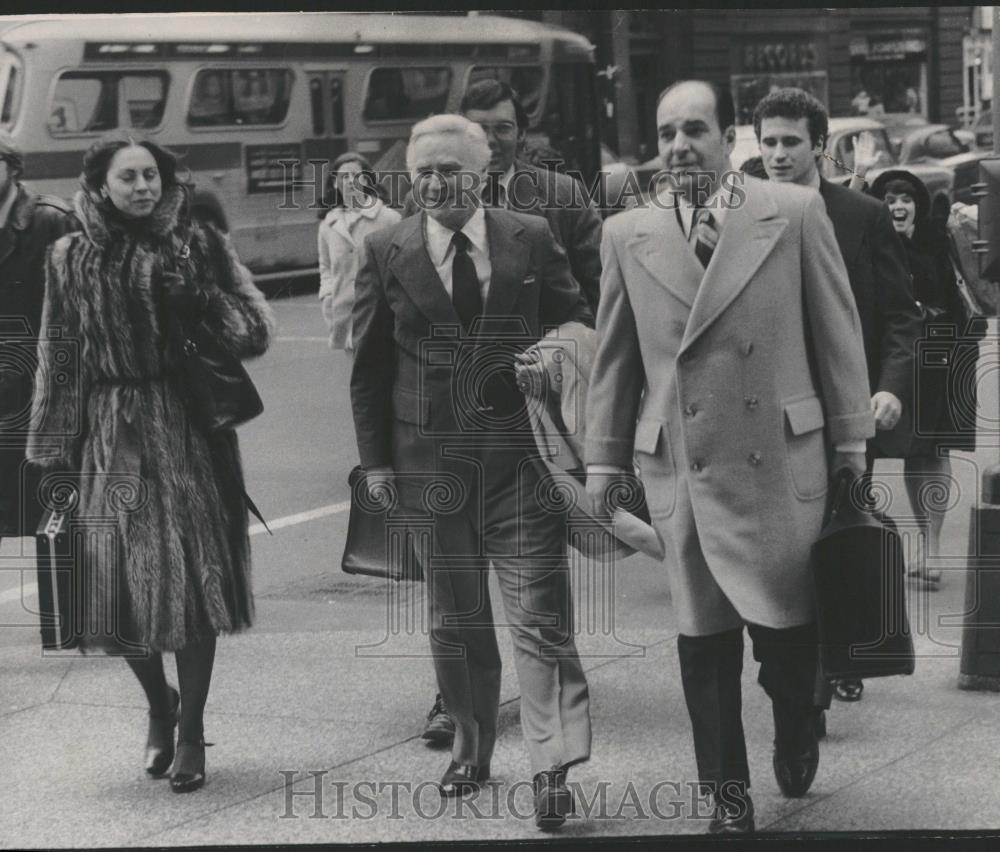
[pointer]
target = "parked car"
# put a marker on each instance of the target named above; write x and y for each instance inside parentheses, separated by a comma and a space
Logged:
(939, 144)
(838, 162)
(900, 124)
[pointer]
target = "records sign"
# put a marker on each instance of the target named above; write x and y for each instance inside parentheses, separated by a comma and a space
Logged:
(271, 167)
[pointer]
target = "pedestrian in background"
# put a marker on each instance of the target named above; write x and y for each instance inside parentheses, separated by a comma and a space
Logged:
(177, 570)
(944, 409)
(29, 224)
(357, 210)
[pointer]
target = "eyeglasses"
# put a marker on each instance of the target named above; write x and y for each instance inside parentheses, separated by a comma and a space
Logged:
(500, 129)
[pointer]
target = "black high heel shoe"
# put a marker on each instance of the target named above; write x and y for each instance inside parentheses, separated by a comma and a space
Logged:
(160, 738)
(189, 767)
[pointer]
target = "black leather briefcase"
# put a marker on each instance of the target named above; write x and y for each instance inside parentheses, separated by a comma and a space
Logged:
(376, 545)
(859, 573)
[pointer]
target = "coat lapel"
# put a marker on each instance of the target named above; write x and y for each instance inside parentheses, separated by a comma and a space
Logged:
(749, 234)
(659, 246)
(416, 274)
(509, 256)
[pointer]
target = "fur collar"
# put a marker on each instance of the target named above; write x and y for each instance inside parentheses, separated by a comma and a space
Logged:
(102, 227)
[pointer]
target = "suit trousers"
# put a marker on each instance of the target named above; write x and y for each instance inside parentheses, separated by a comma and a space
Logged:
(525, 541)
(711, 667)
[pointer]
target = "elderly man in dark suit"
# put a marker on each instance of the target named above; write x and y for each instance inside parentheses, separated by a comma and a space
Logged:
(791, 127)
(730, 362)
(444, 303)
(516, 185)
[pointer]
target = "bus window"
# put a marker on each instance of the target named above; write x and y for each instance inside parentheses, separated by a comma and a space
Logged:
(245, 97)
(406, 94)
(525, 80)
(144, 99)
(337, 103)
(316, 105)
(87, 101)
(10, 92)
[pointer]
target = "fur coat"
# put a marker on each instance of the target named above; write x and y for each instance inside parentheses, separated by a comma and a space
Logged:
(160, 523)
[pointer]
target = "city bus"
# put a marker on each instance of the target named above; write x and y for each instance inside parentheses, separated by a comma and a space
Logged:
(243, 97)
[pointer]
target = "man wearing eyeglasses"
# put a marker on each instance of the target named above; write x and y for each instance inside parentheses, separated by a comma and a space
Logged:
(29, 223)
(516, 185)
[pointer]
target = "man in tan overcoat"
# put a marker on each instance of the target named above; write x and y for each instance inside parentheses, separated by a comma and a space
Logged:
(730, 361)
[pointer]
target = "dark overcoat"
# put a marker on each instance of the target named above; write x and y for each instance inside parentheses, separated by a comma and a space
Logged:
(161, 506)
(33, 224)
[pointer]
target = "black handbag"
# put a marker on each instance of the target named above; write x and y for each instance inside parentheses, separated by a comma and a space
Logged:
(860, 587)
(375, 546)
(216, 386)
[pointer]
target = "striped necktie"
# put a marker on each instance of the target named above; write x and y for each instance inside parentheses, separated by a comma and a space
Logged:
(704, 234)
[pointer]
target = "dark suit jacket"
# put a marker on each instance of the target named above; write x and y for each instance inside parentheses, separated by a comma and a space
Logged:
(571, 215)
(880, 280)
(417, 386)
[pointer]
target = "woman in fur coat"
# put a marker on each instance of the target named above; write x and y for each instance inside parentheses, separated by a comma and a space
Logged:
(165, 559)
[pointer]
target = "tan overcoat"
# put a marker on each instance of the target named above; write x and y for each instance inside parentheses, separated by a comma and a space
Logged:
(731, 385)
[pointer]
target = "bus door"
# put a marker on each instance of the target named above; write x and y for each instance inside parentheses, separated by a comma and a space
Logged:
(328, 117)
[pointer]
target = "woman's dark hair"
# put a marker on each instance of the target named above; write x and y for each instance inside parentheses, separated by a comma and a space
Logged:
(97, 160)
(367, 181)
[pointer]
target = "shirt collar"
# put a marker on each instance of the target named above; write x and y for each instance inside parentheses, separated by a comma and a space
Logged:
(714, 203)
(439, 237)
(352, 214)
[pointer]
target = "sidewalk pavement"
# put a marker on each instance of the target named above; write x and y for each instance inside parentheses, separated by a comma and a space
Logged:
(296, 703)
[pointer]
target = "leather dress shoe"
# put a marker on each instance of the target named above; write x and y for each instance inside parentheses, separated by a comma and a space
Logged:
(795, 770)
(553, 799)
(462, 779)
(440, 727)
(733, 818)
(160, 738)
(848, 689)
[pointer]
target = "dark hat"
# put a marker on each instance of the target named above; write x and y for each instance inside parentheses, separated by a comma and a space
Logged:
(916, 186)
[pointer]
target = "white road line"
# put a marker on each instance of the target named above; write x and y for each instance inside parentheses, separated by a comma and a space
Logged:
(30, 590)
(302, 517)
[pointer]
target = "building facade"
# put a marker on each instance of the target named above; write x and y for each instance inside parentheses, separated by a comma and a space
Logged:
(856, 60)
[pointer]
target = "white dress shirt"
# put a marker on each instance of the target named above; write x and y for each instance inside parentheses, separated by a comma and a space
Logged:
(442, 252)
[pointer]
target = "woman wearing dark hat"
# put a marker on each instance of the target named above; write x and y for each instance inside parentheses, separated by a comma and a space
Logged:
(944, 405)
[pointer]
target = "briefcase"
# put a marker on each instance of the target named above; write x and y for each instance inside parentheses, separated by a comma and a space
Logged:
(376, 545)
(58, 581)
(859, 573)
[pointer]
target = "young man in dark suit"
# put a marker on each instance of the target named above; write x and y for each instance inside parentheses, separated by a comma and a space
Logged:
(792, 127)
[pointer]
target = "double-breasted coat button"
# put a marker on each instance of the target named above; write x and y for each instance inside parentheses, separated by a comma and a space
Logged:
(690, 410)
(754, 458)
(696, 466)
(747, 348)
(751, 401)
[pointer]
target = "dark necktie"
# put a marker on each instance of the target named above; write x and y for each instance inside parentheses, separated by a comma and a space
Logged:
(465, 293)
(704, 234)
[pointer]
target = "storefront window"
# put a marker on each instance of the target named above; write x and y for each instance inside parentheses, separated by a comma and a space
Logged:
(749, 89)
(889, 73)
